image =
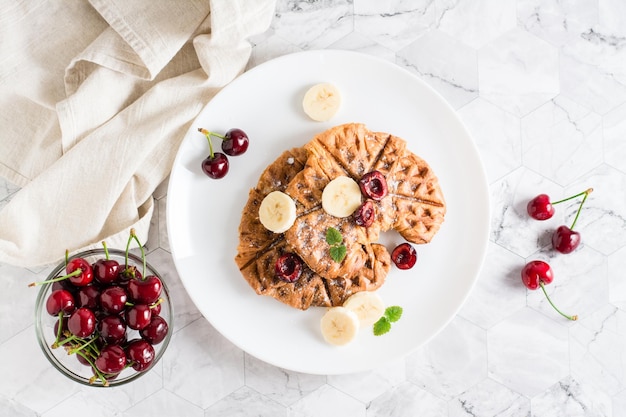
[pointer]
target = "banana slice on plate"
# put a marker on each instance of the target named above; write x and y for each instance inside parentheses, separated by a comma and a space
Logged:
(277, 212)
(367, 305)
(339, 326)
(341, 197)
(321, 102)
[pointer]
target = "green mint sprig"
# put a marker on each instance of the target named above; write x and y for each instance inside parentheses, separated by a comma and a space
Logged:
(383, 325)
(335, 240)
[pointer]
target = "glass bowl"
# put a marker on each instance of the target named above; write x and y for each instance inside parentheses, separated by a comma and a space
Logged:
(69, 364)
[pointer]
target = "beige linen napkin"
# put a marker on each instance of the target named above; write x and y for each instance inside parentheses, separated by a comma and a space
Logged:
(94, 101)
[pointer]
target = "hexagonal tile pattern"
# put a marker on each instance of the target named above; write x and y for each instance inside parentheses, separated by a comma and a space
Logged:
(498, 141)
(518, 72)
(201, 366)
(597, 345)
(511, 226)
(13, 280)
(321, 22)
(327, 401)
(393, 23)
(492, 20)
(448, 372)
(589, 85)
(407, 399)
(361, 43)
(569, 398)
(242, 401)
(617, 284)
(489, 398)
(562, 140)
(164, 404)
(603, 215)
(557, 22)
(614, 129)
(528, 359)
(366, 386)
(431, 56)
(499, 291)
(580, 286)
(284, 387)
(541, 87)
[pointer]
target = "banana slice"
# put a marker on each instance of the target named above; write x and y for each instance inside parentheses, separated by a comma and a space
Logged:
(341, 197)
(321, 102)
(339, 326)
(367, 305)
(277, 212)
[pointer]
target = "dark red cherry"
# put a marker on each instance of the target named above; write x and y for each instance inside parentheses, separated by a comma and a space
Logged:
(365, 214)
(112, 329)
(156, 331)
(113, 299)
(565, 240)
(235, 142)
(106, 271)
(156, 308)
(82, 322)
(85, 274)
(540, 208)
(215, 166)
(112, 359)
(535, 272)
(404, 256)
(288, 267)
(88, 296)
(60, 300)
(146, 290)
(138, 316)
(140, 354)
(373, 185)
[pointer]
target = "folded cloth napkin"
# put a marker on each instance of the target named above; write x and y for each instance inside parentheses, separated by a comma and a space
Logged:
(95, 98)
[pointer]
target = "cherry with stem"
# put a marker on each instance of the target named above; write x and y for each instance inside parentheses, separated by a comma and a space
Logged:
(541, 208)
(566, 239)
(537, 274)
(216, 164)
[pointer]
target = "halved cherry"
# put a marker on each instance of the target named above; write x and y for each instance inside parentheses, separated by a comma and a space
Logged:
(404, 256)
(288, 267)
(365, 214)
(373, 185)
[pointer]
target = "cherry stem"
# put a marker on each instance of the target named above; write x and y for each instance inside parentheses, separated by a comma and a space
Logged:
(573, 318)
(208, 136)
(71, 274)
(586, 193)
(156, 303)
(81, 347)
(106, 250)
(143, 254)
(60, 329)
(99, 374)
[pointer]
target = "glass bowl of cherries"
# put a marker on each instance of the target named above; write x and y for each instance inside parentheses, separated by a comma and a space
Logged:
(103, 317)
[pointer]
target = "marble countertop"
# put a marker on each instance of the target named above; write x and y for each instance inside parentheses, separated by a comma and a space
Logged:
(541, 86)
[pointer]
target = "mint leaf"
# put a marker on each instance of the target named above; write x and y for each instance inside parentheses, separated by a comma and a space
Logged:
(393, 313)
(338, 252)
(333, 236)
(382, 326)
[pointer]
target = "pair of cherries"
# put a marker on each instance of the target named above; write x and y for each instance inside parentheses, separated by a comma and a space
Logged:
(234, 142)
(564, 239)
(536, 274)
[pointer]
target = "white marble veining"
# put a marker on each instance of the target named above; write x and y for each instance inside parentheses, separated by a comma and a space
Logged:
(541, 86)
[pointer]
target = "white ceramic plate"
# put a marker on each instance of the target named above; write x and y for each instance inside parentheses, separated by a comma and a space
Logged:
(203, 214)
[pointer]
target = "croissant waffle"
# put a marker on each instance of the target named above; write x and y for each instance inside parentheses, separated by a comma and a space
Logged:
(414, 206)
